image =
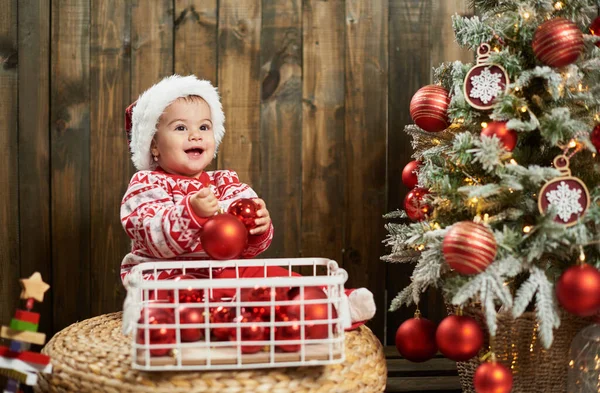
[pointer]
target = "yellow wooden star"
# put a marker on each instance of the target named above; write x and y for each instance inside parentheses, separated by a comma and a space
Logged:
(34, 287)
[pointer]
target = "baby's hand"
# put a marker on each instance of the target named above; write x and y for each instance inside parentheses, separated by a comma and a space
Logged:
(204, 203)
(263, 221)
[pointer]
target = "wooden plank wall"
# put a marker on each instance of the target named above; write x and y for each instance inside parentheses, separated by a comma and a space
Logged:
(315, 93)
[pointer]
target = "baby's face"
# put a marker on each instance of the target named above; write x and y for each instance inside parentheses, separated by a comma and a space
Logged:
(185, 141)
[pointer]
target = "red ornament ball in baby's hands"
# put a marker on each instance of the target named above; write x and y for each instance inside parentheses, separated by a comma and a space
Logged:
(224, 237)
(244, 209)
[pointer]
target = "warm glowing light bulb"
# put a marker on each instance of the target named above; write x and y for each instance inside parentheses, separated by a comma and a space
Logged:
(572, 143)
(558, 5)
(421, 247)
(513, 161)
(526, 15)
(527, 228)
(524, 108)
(484, 124)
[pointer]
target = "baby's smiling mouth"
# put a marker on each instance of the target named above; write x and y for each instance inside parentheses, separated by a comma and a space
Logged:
(194, 152)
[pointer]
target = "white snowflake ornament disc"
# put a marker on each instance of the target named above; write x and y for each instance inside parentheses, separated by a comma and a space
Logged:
(484, 82)
(567, 196)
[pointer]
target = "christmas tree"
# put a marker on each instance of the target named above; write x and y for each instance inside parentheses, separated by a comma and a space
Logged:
(505, 210)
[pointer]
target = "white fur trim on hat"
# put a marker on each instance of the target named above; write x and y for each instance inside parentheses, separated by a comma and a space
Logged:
(151, 105)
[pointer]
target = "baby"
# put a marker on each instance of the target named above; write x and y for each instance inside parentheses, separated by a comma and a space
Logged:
(174, 130)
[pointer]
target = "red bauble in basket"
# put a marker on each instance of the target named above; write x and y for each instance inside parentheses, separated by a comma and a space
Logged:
(595, 137)
(409, 174)
(558, 42)
(459, 337)
(263, 294)
(499, 130)
(189, 294)
(414, 205)
(244, 209)
(288, 332)
(155, 335)
(312, 312)
(578, 290)
(251, 330)
(191, 315)
(221, 315)
(415, 339)
(469, 248)
(492, 377)
(224, 237)
(429, 108)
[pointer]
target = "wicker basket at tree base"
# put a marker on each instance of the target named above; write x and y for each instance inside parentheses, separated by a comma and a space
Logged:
(517, 346)
(94, 356)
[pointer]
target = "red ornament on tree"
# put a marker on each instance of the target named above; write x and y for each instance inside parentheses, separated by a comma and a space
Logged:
(557, 42)
(429, 108)
(499, 130)
(578, 290)
(224, 237)
(250, 331)
(416, 209)
(191, 315)
(312, 312)
(595, 137)
(469, 248)
(409, 174)
(595, 28)
(415, 339)
(459, 337)
(244, 209)
(492, 377)
(291, 332)
(156, 335)
(221, 315)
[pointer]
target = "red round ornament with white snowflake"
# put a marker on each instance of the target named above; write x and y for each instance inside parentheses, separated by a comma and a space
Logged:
(566, 195)
(485, 81)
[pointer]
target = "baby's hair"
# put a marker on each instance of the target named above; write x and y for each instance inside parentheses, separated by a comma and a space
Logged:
(192, 98)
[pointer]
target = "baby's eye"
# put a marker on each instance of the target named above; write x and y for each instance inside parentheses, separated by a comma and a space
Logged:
(204, 127)
(180, 127)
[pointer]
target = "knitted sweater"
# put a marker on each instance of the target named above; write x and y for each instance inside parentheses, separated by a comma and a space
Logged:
(157, 215)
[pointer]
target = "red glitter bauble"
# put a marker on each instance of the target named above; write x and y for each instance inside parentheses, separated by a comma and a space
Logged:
(221, 315)
(578, 290)
(469, 248)
(595, 137)
(244, 209)
(459, 337)
(224, 237)
(189, 294)
(191, 316)
(415, 339)
(595, 28)
(288, 332)
(263, 294)
(499, 130)
(156, 335)
(312, 312)
(492, 377)
(251, 330)
(558, 42)
(409, 175)
(429, 108)
(414, 206)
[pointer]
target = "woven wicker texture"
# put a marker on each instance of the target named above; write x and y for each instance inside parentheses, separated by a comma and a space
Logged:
(94, 356)
(518, 346)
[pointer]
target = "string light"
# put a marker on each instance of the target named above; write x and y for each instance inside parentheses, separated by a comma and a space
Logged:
(526, 15)
(496, 49)
(517, 88)
(486, 217)
(558, 5)
(421, 247)
(527, 228)
(484, 124)
(572, 143)
(524, 108)
(513, 161)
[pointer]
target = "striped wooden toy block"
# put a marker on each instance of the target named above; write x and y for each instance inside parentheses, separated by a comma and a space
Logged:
(28, 316)
(17, 324)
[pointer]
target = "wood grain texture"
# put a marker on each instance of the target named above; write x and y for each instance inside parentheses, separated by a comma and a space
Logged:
(34, 149)
(281, 122)
(196, 48)
(109, 157)
(151, 44)
(365, 147)
(239, 85)
(323, 116)
(70, 160)
(9, 197)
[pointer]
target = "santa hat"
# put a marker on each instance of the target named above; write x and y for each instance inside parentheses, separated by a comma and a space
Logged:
(141, 117)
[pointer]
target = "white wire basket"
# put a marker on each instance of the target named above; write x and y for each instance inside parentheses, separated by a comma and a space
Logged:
(245, 322)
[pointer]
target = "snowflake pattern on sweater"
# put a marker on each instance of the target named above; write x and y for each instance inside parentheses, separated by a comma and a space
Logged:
(157, 216)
